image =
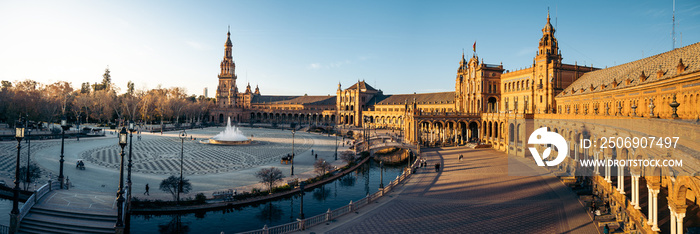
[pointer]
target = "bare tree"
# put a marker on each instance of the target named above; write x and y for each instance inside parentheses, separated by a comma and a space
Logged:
(348, 156)
(269, 176)
(171, 183)
(322, 167)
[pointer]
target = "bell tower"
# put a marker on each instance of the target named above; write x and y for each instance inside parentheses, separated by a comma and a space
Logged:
(227, 92)
(548, 47)
(546, 67)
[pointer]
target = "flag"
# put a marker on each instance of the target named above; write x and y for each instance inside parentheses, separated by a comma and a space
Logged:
(474, 46)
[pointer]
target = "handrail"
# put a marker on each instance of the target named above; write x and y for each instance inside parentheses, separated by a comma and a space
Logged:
(36, 196)
(302, 224)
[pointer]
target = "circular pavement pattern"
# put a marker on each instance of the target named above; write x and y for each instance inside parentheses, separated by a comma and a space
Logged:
(162, 155)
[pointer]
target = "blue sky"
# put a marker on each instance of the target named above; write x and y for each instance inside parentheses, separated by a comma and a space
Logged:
(307, 47)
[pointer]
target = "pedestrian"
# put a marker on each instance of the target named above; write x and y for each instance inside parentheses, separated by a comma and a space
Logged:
(312, 151)
(147, 191)
(67, 183)
(316, 157)
(606, 229)
(437, 167)
(461, 157)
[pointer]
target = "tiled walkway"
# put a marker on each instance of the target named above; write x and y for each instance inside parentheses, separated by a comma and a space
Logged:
(475, 195)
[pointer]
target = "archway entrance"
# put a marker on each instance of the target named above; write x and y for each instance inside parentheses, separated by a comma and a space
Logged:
(474, 130)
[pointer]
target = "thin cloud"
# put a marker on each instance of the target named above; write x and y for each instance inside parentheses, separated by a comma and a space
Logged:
(314, 66)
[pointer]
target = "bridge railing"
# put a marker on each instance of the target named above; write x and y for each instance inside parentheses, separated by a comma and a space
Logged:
(4, 229)
(38, 194)
(302, 224)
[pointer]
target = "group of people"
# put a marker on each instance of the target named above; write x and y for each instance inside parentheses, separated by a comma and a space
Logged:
(424, 163)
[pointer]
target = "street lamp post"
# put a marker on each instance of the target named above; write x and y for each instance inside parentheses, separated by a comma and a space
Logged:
(65, 127)
(131, 143)
(14, 214)
(19, 134)
(293, 132)
(183, 135)
(120, 192)
(336, 143)
(381, 174)
(301, 206)
(29, 147)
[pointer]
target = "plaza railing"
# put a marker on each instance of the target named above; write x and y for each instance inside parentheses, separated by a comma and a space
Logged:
(302, 224)
(38, 194)
(4, 229)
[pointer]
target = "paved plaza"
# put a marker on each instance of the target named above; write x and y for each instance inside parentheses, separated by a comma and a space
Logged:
(475, 195)
(208, 167)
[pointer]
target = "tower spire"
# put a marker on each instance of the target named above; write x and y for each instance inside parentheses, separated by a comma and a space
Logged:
(228, 66)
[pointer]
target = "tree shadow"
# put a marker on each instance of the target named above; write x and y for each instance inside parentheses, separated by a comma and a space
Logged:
(175, 226)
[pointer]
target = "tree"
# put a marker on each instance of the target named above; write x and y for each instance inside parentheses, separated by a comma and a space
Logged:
(34, 174)
(106, 79)
(348, 156)
(322, 167)
(170, 185)
(85, 88)
(269, 176)
(130, 88)
(6, 85)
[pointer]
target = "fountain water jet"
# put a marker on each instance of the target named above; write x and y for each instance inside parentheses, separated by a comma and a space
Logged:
(230, 136)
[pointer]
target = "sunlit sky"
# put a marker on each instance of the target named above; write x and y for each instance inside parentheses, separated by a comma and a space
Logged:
(307, 47)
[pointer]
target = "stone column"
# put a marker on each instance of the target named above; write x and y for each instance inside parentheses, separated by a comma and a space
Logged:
(654, 209)
(650, 210)
(673, 220)
(635, 192)
(621, 176)
(607, 171)
(679, 222)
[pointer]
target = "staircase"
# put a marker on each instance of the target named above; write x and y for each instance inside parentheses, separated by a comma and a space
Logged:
(47, 219)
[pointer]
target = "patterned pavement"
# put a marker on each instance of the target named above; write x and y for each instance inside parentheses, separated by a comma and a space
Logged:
(210, 168)
(162, 155)
(476, 195)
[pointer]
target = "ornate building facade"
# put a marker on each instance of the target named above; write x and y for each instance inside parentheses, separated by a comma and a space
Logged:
(655, 96)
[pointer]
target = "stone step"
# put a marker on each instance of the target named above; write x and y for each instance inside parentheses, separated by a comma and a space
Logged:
(75, 214)
(31, 226)
(42, 219)
(68, 221)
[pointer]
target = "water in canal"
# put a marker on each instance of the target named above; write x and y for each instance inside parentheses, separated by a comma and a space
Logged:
(351, 187)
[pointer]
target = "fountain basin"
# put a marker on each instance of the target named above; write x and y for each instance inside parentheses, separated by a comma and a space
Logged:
(222, 142)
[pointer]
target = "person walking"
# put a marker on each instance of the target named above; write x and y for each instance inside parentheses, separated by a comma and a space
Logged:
(146, 193)
(437, 167)
(606, 229)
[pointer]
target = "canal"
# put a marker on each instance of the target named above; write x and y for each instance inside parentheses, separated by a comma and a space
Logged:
(351, 187)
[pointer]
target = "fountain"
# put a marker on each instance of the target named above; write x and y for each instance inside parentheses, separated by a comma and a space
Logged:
(230, 136)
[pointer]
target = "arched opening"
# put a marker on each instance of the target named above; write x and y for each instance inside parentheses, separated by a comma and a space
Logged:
(474, 129)
(492, 105)
(511, 133)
